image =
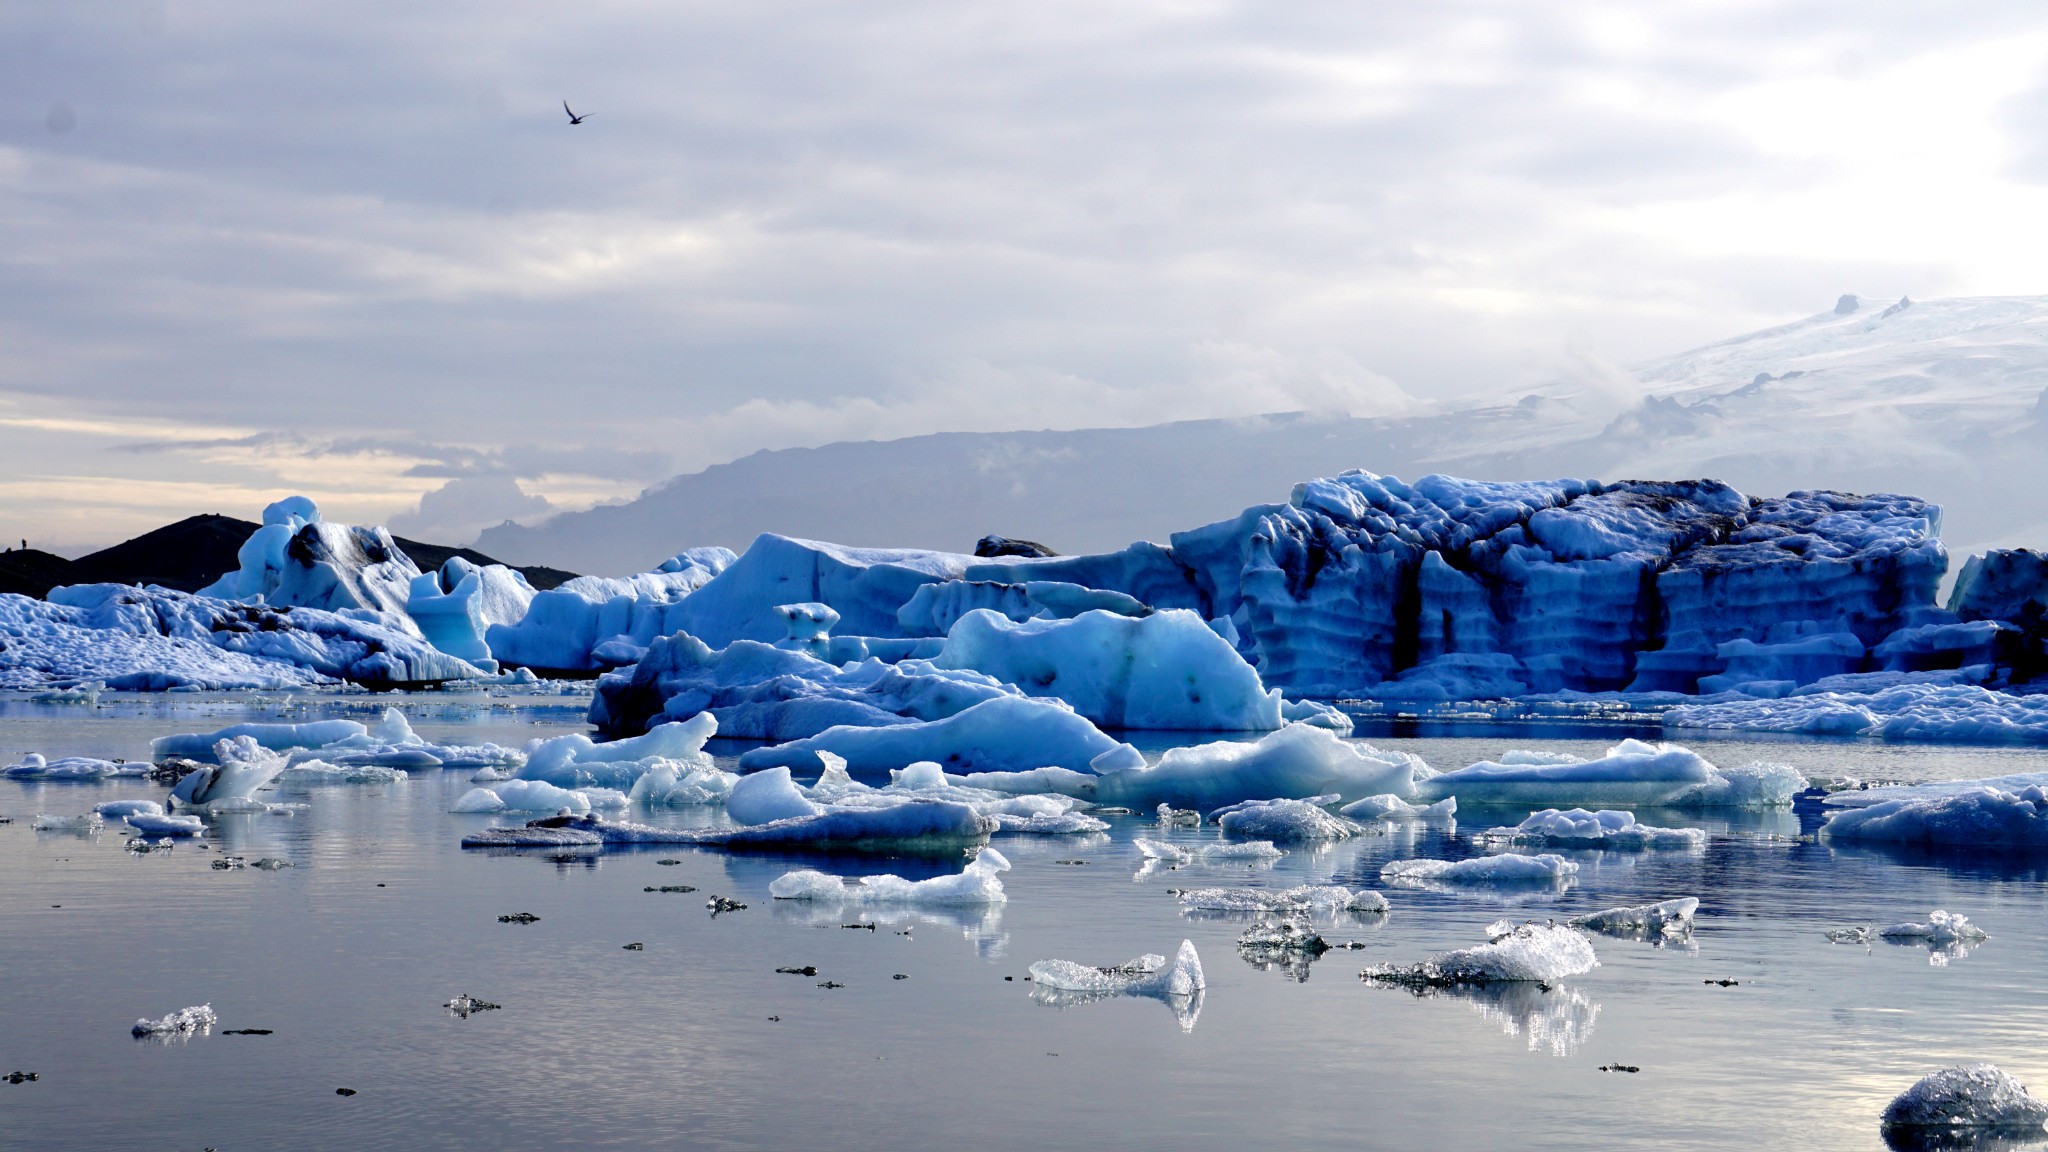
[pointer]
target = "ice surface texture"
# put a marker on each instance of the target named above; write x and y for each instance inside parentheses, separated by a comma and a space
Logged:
(1975, 1096)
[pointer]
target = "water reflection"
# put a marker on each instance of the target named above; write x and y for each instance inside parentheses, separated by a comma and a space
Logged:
(1557, 1020)
(1186, 1009)
(980, 925)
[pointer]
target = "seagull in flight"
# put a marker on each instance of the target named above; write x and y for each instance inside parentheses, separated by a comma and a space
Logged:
(573, 117)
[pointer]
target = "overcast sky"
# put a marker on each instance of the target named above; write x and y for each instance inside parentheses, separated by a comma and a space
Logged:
(357, 250)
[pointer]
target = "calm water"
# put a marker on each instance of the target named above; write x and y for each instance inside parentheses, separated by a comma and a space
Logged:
(349, 956)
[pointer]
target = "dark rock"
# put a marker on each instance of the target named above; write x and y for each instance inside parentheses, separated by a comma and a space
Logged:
(635, 946)
(671, 888)
(246, 1032)
(344, 1091)
(992, 546)
(806, 970)
(514, 918)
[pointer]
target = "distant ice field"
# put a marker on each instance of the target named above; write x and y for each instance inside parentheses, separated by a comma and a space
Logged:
(349, 957)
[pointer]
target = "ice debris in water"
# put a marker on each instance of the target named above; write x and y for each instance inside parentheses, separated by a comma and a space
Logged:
(184, 1022)
(1307, 898)
(1856, 934)
(1666, 920)
(1387, 806)
(35, 767)
(1212, 853)
(123, 809)
(1148, 975)
(1507, 868)
(978, 884)
(1607, 828)
(1171, 817)
(1534, 952)
(465, 1004)
(1974, 1096)
(150, 824)
(86, 824)
(1286, 820)
(1947, 934)
(1983, 818)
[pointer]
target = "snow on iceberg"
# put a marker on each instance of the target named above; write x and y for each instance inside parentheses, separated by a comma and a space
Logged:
(1987, 819)
(1169, 670)
(1664, 920)
(1387, 806)
(1290, 821)
(1960, 1101)
(1507, 868)
(1296, 762)
(1540, 953)
(35, 767)
(1607, 828)
(977, 884)
(594, 622)
(1002, 734)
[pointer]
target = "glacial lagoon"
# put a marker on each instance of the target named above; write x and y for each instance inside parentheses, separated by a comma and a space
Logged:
(918, 1027)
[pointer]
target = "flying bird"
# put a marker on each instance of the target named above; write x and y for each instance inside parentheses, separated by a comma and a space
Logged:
(573, 117)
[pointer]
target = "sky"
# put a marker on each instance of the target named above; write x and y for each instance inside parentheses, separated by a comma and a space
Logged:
(357, 251)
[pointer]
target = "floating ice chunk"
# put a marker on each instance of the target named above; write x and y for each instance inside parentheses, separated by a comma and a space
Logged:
(1955, 1101)
(35, 767)
(1168, 670)
(1669, 919)
(1148, 975)
(122, 809)
(1387, 806)
(1004, 734)
(158, 825)
(1296, 762)
(1289, 945)
(1533, 952)
(1308, 898)
(1941, 928)
(1170, 817)
(87, 694)
(1910, 711)
(317, 773)
(576, 761)
(1047, 824)
(935, 828)
(87, 824)
(1317, 713)
(1578, 828)
(1286, 820)
(1507, 868)
(1211, 853)
(184, 1022)
(681, 784)
(977, 884)
(525, 796)
(1979, 818)
(767, 796)
(200, 746)
(1632, 772)
(1755, 785)
(241, 767)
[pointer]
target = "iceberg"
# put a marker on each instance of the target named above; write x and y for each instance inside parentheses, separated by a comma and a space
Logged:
(767, 796)
(241, 767)
(1980, 818)
(158, 824)
(668, 785)
(1539, 953)
(1966, 1100)
(1168, 670)
(455, 607)
(1941, 928)
(1306, 899)
(298, 560)
(525, 796)
(592, 622)
(1632, 772)
(977, 884)
(1028, 814)
(35, 767)
(200, 746)
(1949, 712)
(866, 586)
(196, 1020)
(1002, 734)
(1148, 975)
(1285, 820)
(1216, 853)
(1387, 806)
(1507, 868)
(123, 809)
(1665, 920)
(577, 761)
(1578, 828)
(1297, 762)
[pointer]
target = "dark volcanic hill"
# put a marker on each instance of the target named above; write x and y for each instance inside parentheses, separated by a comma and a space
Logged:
(193, 553)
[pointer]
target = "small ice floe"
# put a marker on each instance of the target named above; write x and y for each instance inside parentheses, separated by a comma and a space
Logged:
(87, 694)
(161, 825)
(1957, 1104)
(321, 774)
(1309, 899)
(462, 1006)
(122, 809)
(1540, 953)
(1171, 817)
(1387, 806)
(1667, 920)
(1291, 821)
(721, 904)
(1180, 984)
(185, 1022)
(36, 767)
(1982, 818)
(978, 884)
(1946, 936)
(242, 768)
(1290, 945)
(142, 845)
(1249, 851)
(537, 796)
(1507, 869)
(1606, 828)
(1856, 934)
(86, 824)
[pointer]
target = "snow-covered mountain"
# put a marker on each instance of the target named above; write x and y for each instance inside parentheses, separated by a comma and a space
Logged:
(1938, 398)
